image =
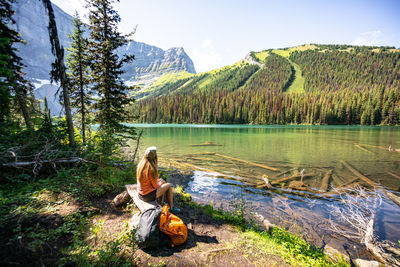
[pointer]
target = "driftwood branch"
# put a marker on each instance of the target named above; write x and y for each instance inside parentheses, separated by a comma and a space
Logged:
(355, 220)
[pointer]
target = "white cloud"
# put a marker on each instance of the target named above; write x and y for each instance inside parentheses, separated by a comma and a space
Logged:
(372, 38)
(207, 43)
(206, 58)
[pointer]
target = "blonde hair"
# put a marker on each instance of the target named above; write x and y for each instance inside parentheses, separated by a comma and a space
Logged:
(148, 164)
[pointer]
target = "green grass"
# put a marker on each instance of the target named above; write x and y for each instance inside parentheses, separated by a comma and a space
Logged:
(292, 248)
(261, 56)
(172, 77)
(30, 217)
(297, 85)
(286, 52)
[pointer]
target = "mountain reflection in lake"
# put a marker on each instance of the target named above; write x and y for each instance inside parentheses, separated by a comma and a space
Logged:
(229, 162)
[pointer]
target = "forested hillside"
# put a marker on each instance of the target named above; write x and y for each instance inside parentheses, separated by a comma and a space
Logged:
(340, 85)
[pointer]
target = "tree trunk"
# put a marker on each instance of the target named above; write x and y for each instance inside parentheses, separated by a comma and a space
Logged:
(58, 73)
(82, 96)
(22, 104)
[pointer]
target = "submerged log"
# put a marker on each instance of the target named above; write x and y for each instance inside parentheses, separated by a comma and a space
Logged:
(337, 180)
(201, 168)
(206, 144)
(348, 183)
(380, 147)
(363, 149)
(325, 181)
(359, 175)
(298, 185)
(265, 184)
(249, 162)
(394, 175)
(289, 178)
(284, 172)
(390, 195)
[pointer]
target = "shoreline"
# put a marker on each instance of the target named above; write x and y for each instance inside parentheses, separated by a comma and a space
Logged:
(326, 242)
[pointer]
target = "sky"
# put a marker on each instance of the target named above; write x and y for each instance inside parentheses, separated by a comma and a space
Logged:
(216, 33)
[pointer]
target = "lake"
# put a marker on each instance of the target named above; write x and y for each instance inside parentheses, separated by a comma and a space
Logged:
(230, 161)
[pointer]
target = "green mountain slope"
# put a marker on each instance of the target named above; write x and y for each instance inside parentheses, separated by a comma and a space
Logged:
(322, 84)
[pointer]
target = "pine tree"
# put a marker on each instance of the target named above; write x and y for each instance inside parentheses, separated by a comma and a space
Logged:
(12, 83)
(78, 72)
(58, 68)
(106, 74)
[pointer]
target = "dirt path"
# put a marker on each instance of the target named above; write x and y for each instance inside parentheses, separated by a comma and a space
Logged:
(209, 242)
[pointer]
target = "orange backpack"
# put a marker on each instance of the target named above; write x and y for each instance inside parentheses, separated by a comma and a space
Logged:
(173, 227)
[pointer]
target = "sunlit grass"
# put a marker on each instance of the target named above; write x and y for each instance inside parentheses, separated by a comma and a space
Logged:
(298, 84)
(261, 56)
(172, 77)
(287, 51)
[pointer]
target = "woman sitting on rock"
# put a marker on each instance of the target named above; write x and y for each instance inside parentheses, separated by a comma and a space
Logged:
(150, 186)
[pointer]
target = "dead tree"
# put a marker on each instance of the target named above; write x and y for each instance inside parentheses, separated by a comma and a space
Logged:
(58, 68)
(355, 217)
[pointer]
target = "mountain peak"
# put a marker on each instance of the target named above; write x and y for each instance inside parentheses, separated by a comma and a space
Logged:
(31, 20)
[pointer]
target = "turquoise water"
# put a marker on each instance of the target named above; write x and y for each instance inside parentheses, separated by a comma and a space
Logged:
(311, 150)
(285, 146)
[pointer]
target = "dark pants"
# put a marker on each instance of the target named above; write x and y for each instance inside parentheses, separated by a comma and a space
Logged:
(150, 197)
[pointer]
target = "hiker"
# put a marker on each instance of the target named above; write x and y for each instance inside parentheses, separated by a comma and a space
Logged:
(150, 186)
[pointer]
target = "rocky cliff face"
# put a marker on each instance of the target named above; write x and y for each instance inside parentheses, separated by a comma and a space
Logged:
(151, 60)
(31, 22)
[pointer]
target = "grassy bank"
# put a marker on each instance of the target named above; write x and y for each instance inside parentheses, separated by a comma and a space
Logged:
(66, 219)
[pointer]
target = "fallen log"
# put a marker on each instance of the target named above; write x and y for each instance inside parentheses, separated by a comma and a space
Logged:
(337, 180)
(393, 197)
(298, 185)
(347, 183)
(390, 195)
(53, 161)
(359, 175)
(325, 181)
(206, 144)
(394, 175)
(132, 191)
(363, 149)
(249, 162)
(284, 172)
(201, 168)
(289, 178)
(121, 199)
(265, 184)
(380, 147)
(370, 244)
